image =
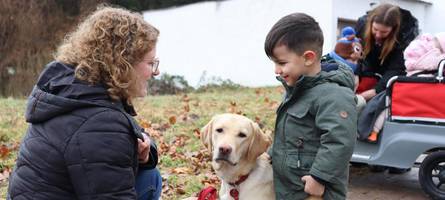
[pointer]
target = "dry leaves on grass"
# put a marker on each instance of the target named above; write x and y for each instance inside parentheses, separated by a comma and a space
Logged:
(4, 175)
(6, 149)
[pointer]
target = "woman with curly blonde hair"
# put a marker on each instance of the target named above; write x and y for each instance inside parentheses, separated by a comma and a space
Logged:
(82, 142)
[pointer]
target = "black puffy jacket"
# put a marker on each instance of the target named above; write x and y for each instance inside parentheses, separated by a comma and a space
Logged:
(79, 144)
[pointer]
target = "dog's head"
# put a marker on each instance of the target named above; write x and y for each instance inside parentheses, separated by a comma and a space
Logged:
(232, 138)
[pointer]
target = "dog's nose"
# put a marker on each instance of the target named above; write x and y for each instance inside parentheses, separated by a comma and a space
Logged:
(224, 150)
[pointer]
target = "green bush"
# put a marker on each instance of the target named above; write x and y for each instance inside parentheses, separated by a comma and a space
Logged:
(208, 84)
(168, 84)
(174, 84)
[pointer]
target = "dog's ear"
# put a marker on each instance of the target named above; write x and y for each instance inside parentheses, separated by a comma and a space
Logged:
(258, 144)
(206, 135)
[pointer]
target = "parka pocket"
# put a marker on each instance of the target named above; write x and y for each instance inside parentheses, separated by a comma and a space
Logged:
(300, 162)
(298, 111)
(298, 165)
(300, 125)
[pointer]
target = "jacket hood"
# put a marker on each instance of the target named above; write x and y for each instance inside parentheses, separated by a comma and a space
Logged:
(342, 75)
(58, 92)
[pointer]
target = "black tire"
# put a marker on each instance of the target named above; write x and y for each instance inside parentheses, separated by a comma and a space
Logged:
(432, 175)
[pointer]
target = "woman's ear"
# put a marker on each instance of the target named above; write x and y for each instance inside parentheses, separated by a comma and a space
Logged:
(310, 57)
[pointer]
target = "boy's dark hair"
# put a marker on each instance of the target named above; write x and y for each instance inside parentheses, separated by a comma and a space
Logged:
(298, 31)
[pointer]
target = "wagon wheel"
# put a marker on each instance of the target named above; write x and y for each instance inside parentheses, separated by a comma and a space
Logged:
(432, 175)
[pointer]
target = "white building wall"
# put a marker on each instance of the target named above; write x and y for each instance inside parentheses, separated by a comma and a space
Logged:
(435, 18)
(226, 38)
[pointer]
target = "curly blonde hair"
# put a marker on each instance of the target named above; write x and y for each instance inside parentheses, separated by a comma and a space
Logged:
(105, 48)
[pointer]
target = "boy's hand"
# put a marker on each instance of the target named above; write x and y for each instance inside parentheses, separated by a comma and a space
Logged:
(312, 187)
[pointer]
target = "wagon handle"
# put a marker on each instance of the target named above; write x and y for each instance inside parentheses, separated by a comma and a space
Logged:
(440, 73)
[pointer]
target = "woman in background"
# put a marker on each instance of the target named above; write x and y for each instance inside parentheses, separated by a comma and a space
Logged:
(386, 31)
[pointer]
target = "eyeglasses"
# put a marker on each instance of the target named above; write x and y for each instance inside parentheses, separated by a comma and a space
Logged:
(154, 65)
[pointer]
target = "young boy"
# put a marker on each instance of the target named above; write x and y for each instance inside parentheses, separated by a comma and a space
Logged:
(315, 127)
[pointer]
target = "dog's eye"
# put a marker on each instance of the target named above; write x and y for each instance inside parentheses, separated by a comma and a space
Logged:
(241, 134)
(219, 130)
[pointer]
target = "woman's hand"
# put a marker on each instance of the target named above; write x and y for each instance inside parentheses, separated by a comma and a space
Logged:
(144, 149)
(368, 94)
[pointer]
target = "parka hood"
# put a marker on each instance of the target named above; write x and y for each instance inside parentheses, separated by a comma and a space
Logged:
(58, 92)
(343, 76)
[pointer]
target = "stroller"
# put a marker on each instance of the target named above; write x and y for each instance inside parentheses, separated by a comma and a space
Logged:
(414, 128)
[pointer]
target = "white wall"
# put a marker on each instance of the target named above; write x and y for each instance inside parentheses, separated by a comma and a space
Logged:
(226, 39)
(435, 20)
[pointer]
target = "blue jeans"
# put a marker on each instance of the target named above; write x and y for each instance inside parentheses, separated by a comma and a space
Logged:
(148, 184)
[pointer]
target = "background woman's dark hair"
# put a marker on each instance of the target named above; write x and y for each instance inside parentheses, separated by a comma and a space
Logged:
(388, 15)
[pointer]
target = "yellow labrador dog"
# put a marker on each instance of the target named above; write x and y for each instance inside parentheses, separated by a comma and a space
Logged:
(237, 145)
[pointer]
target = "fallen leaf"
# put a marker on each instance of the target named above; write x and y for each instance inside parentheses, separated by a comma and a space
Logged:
(172, 120)
(197, 132)
(144, 124)
(180, 190)
(181, 170)
(5, 174)
(258, 91)
(4, 151)
(187, 108)
(185, 98)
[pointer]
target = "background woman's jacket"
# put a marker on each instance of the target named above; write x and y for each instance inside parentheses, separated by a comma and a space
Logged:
(79, 144)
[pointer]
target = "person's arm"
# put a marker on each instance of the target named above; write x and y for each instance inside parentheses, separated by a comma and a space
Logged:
(101, 158)
(394, 65)
(336, 117)
(368, 94)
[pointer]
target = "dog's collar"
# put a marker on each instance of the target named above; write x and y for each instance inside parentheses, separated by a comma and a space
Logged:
(234, 191)
(240, 180)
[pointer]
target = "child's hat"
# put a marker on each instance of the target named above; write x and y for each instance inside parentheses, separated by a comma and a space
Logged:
(347, 31)
(344, 47)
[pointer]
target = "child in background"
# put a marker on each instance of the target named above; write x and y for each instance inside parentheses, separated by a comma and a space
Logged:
(348, 51)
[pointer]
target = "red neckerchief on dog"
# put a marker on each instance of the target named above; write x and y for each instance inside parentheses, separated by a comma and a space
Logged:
(234, 191)
(209, 193)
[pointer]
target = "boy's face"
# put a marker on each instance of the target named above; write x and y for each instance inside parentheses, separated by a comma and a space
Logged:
(289, 65)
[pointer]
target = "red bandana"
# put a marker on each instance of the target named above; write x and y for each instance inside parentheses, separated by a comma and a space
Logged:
(210, 193)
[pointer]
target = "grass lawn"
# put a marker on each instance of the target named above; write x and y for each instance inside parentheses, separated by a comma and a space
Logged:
(174, 122)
